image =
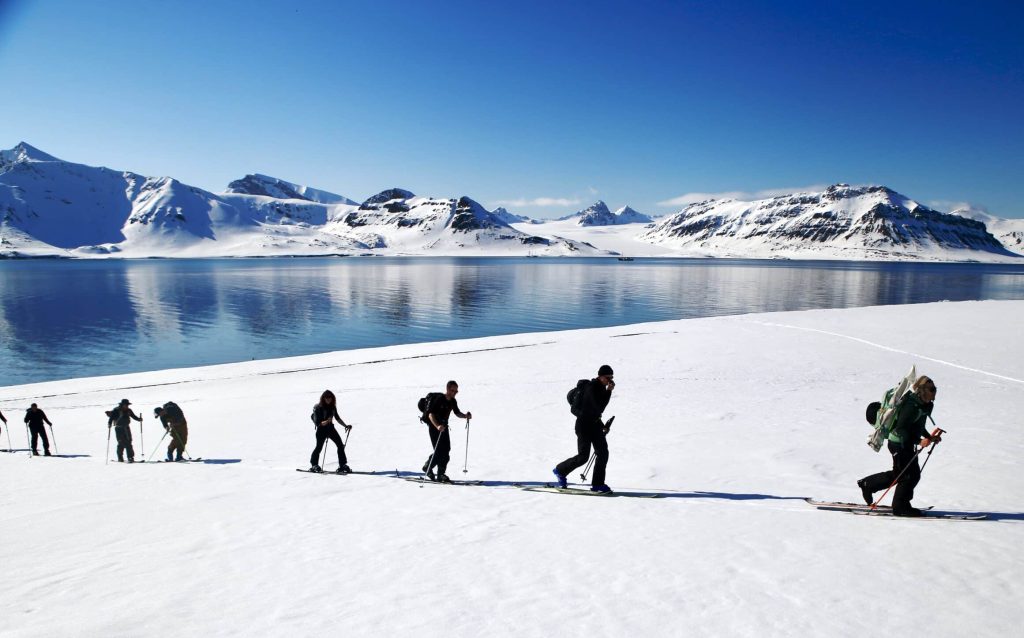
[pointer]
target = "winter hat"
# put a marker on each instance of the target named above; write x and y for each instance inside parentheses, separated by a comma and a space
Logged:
(125, 402)
(605, 371)
(157, 411)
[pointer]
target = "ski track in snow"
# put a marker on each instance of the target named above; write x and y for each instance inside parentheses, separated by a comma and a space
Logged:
(891, 349)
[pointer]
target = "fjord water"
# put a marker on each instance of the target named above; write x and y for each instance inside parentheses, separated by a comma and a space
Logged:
(64, 319)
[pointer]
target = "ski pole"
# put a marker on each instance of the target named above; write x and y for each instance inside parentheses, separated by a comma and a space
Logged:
(587, 469)
(10, 448)
(107, 461)
(430, 461)
(583, 476)
(465, 463)
(142, 436)
(897, 479)
(54, 437)
(28, 440)
(158, 444)
(938, 432)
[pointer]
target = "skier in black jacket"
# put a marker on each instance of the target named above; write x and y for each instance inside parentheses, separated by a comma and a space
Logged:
(324, 414)
(35, 419)
(911, 427)
(121, 419)
(590, 431)
(438, 412)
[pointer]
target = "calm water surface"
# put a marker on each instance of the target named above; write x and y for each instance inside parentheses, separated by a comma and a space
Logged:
(63, 319)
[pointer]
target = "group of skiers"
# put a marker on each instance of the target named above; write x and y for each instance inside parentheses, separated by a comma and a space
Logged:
(906, 439)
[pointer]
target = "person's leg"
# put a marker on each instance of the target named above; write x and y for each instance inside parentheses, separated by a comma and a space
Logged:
(321, 436)
(444, 449)
(336, 438)
(582, 452)
(906, 459)
(600, 457)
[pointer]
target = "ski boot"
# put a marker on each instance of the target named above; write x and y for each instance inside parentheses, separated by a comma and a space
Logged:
(562, 482)
(430, 475)
(603, 489)
(868, 495)
(343, 469)
(316, 469)
(443, 478)
(46, 453)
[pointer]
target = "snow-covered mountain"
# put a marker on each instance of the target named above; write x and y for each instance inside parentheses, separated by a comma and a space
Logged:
(512, 218)
(598, 214)
(398, 219)
(1009, 232)
(279, 189)
(872, 222)
(50, 207)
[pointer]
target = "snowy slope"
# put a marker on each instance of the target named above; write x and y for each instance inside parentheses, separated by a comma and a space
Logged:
(245, 546)
(280, 189)
(1010, 232)
(398, 220)
(871, 222)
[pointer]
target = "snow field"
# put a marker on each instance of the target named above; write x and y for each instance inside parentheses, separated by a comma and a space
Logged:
(736, 419)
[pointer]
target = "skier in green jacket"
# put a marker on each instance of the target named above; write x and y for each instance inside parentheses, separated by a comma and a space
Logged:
(910, 430)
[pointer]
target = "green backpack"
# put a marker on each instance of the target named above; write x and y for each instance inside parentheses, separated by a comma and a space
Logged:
(882, 415)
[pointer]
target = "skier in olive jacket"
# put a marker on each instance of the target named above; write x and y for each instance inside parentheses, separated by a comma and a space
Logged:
(911, 428)
(591, 431)
(173, 420)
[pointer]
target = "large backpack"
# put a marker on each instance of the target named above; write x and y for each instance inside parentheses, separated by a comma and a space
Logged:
(173, 412)
(882, 414)
(425, 403)
(575, 397)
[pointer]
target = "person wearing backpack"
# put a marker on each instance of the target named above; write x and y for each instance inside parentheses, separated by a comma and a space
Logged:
(174, 422)
(35, 418)
(589, 403)
(910, 429)
(120, 418)
(437, 410)
(324, 414)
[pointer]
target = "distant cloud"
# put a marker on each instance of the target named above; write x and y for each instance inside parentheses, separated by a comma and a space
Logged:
(539, 201)
(743, 196)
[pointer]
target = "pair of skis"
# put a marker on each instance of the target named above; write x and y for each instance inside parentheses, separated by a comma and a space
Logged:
(886, 510)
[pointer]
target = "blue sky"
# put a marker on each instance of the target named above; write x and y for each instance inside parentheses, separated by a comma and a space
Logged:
(542, 107)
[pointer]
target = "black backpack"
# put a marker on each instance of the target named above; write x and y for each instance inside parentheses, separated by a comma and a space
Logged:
(575, 397)
(173, 412)
(427, 402)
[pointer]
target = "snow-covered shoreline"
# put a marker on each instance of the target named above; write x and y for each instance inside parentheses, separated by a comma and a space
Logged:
(735, 419)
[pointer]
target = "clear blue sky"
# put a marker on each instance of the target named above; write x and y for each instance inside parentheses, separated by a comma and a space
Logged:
(517, 102)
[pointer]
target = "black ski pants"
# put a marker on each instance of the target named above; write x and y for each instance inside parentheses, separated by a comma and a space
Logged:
(124, 442)
(588, 434)
(39, 430)
(903, 456)
(324, 432)
(442, 441)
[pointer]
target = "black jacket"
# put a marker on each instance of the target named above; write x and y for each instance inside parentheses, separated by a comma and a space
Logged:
(36, 418)
(323, 412)
(442, 409)
(122, 418)
(595, 400)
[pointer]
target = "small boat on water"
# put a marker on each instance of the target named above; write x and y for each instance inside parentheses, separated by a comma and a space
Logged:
(625, 259)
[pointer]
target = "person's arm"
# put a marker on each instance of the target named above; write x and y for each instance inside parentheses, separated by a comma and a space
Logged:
(2, 417)
(459, 413)
(433, 422)
(338, 417)
(45, 419)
